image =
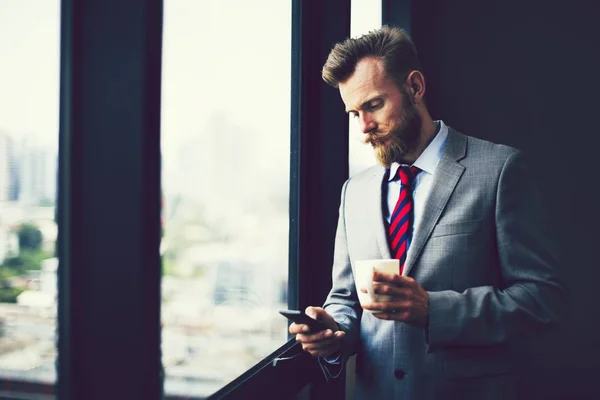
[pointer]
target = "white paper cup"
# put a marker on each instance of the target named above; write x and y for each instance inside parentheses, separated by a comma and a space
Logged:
(363, 277)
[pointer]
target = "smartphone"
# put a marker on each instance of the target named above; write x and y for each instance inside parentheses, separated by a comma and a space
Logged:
(300, 317)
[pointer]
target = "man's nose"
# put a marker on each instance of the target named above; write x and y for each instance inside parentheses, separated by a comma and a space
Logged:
(366, 123)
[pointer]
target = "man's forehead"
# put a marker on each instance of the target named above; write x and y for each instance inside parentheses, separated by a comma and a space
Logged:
(368, 81)
(370, 66)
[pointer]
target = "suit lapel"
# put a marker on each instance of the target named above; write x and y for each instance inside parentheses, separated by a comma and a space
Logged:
(446, 176)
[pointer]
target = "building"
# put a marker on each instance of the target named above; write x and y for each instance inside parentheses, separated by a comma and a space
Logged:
(9, 169)
(38, 176)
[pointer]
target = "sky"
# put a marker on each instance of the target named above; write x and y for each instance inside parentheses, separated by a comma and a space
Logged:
(230, 61)
(29, 69)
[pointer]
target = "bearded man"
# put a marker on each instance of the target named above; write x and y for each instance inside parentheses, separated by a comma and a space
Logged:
(478, 269)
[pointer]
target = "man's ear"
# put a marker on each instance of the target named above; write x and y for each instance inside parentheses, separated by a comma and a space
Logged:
(416, 83)
(413, 97)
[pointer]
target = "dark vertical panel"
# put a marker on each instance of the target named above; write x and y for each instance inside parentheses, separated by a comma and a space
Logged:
(397, 13)
(524, 73)
(109, 200)
(67, 193)
(320, 140)
(319, 159)
(295, 118)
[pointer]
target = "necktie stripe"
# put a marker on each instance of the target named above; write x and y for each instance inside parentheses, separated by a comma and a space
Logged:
(401, 220)
(396, 220)
(402, 211)
(397, 231)
(400, 234)
(401, 199)
(401, 253)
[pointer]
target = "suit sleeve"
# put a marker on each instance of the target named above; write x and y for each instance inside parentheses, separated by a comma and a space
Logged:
(534, 297)
(342, 302)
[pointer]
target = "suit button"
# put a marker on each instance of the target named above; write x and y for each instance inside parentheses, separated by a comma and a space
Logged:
(399, 374)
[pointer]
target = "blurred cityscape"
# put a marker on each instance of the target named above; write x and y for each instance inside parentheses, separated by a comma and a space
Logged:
(225, 180)
(224, 271)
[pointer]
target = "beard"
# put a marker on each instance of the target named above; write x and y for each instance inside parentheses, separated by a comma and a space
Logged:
(401, 138)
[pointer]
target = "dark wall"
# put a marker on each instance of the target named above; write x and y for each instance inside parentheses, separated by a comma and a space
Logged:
(525, 73)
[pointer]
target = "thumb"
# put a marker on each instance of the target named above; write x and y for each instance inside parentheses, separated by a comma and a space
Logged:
(321, 315)
(313, 312)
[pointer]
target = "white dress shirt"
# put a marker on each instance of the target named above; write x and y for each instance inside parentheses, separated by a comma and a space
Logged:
(427, 163)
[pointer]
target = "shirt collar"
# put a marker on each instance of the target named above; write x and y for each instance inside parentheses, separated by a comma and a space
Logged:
(431, 156)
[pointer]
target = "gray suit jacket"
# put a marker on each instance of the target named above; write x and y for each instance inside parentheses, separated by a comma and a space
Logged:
(487, 260)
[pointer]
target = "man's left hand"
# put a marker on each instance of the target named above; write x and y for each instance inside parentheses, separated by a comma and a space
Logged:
(409, 303)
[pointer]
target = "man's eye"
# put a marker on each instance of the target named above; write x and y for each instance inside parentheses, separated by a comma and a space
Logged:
(375, 105)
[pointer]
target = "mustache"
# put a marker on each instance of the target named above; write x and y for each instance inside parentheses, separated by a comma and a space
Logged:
(376, 137)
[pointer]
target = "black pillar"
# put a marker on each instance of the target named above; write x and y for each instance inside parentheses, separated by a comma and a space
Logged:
(109, 200)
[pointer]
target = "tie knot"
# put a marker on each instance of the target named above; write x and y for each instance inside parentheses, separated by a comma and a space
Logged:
(407, 174)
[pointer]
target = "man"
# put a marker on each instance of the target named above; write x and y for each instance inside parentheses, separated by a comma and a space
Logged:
(480, 269)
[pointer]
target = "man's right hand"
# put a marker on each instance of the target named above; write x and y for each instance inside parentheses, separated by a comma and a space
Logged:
(320, 344)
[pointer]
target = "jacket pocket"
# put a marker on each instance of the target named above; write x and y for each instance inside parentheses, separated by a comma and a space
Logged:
(457, 228)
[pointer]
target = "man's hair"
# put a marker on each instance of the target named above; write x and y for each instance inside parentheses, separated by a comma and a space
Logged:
(392, 45)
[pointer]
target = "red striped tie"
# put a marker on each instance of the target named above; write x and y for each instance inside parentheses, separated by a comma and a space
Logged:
(400, 228)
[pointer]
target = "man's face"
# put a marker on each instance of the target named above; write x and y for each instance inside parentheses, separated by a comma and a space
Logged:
(389, 121)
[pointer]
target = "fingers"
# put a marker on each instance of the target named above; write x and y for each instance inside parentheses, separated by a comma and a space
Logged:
(395, 279)
(413, 311)
(315, 337)
(321, 344)
(318, 339)
(297, 328)
(317, 313)
(392, 284)
(393, 307)
(391, 290)
(313, 312)
(396, 292)
(323, 316)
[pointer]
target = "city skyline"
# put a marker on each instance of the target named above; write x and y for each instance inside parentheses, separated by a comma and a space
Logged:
(28, 171)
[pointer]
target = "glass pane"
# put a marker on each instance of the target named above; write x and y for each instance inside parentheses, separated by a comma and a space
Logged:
(29, 44)
(225, 146)
(365, 15)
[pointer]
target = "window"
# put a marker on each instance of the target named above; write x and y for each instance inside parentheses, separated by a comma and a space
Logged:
(225, 173)
(230, 235)
(365, 16)
(29, 44)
